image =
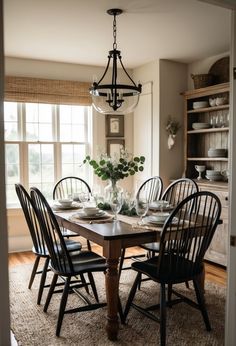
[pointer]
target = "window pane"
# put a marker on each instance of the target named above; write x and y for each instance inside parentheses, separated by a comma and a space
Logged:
(11, 121)
(12, 169)
(41, 163)
(72, 123)
(65, 133)
(38, 122)
(72, 156)
(10, 111)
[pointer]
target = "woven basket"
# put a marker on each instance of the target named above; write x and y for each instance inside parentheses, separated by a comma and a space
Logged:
(202, 80)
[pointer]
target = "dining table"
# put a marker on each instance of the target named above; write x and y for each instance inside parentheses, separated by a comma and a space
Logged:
(112, 236)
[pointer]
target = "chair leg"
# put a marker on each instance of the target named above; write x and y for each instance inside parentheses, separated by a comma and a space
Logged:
(92, 282)
(169, 292)
(187, 284)
(50, 292)
(131, 295)
(122, 257)
(84, 282)
(43, 279)
(163, 315)
(202, 305)
(34, 270)
(63, 305)
(89, 246)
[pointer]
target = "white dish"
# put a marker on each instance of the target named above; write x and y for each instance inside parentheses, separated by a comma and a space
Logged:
(58, 206)
(200, 104)
(90, 210)
(199, 126)
(65, 202)
(81, 215)
(214, 177)
(153, 221)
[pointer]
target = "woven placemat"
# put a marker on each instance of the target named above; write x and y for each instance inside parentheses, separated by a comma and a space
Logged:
(104, 219)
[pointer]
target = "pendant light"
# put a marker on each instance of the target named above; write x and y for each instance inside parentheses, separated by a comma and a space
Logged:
(114, 97)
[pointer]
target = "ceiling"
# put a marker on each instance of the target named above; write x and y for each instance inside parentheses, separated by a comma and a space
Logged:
(80, 31)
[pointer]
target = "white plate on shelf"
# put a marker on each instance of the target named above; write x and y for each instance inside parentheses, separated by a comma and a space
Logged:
(81, 215)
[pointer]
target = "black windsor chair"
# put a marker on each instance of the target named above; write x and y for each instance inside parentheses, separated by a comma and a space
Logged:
(68, 186)
(151, 189)
(185, 237)
(63, 263)
(177, 191)
(39, 245)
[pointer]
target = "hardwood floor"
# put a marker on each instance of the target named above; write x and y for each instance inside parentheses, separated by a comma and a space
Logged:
(214, 273)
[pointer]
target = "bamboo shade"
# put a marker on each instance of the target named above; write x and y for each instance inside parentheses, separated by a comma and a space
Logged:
(25, 89)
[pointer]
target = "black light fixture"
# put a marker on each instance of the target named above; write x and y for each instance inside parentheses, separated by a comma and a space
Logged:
(115, 98)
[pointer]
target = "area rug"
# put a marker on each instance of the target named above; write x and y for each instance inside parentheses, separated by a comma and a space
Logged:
(32, 327)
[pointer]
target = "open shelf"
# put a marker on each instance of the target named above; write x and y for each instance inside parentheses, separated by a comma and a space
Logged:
(208, 159)
(208, 109)
(211, 129)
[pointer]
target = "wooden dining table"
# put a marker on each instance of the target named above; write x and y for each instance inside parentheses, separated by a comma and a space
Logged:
(112, 236)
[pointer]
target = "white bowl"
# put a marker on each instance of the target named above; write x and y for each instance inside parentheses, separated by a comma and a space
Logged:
(65, 202)
(198, 126)
(90, 210)
(200, 104)
(160, 217)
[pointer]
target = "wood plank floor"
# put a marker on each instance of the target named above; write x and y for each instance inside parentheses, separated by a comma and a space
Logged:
(214, 273)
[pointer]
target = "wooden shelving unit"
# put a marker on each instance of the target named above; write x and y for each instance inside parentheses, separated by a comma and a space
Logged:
(197, 143)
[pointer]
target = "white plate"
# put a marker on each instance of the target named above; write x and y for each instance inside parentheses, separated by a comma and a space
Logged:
(154, 221)
(58, 206)
(81, 214)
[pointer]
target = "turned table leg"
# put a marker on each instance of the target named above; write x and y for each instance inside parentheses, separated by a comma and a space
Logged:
(112, 253)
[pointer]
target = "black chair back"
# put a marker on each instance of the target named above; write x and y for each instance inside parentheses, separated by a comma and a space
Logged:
(151, 189)
(186, 236)
(57, 249)
(69, 185)
(178, 190)
(31, 220)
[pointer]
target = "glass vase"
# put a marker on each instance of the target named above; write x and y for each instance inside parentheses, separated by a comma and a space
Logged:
(112, 189)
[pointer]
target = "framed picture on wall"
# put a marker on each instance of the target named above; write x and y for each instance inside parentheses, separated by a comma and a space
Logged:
(114, 146)
(114, 125)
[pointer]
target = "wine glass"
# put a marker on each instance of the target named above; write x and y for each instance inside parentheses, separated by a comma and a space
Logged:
(200, 169)
(116, 202)
(84, 197)
(141, 207)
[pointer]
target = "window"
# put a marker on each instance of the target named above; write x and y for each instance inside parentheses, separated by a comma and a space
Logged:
(44, 143)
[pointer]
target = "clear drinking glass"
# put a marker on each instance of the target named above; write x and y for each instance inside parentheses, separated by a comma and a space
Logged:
(84, 197)
(141, 207)
(116, 202)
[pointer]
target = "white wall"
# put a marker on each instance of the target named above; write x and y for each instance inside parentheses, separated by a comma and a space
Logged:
(173, 81)
(168, 80)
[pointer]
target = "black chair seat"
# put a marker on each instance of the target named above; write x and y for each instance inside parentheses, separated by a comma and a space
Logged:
(151, 246)
(169, 273)
(83, 262)
(72, 246)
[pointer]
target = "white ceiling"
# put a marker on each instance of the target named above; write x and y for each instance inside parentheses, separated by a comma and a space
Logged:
(80, 31)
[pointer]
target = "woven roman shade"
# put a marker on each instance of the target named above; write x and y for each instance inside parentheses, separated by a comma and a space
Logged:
(38, 90)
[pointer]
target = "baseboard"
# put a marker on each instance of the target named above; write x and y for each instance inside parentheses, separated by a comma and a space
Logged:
(19, 244)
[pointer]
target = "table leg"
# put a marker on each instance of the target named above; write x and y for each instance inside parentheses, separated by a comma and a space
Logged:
(112, 290)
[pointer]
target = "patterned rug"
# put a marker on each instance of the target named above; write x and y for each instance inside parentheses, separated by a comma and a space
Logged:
(32, 327)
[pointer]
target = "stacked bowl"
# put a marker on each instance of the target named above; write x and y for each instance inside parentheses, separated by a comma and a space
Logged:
(199, 126)
(220, 152)
(213, 175)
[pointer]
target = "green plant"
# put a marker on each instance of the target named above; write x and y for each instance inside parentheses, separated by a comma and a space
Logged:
(172, 126)
(116, 168)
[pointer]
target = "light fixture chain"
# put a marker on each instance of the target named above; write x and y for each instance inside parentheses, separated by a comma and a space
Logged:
(114, 32)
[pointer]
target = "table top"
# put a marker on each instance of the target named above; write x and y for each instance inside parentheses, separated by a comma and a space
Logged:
(123, 228)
